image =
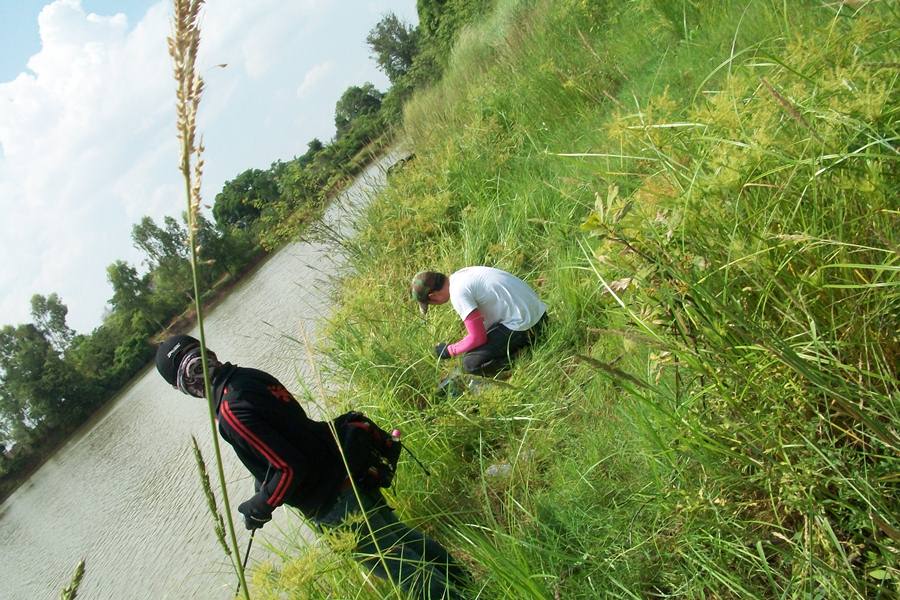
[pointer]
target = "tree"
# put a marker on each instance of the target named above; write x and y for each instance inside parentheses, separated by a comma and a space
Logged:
(313, 147)
(220, 250)
(92, 355)
(355, 102)
(430, 12)
(167, 256)
(439, 24)
(14, 423)
(131, 292)
(394, 44)
(441, 20)
(298, 184)
(49, 315)
(37, 383)
(161, 245)
(240, 201)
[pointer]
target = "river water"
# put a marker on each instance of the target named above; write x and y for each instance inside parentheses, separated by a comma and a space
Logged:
(124, 493)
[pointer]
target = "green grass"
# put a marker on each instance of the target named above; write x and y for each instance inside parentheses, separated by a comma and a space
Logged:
(705, 194)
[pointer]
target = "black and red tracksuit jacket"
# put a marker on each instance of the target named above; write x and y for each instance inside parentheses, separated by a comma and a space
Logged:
(294, 459)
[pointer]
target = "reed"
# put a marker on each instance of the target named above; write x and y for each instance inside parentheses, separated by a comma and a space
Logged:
(183, 44)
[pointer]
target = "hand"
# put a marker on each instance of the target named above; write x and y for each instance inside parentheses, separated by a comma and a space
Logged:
(252, 523)
(253, 520)
(442, 351)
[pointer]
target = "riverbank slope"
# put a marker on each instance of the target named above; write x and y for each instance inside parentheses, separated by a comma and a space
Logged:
(706, 199)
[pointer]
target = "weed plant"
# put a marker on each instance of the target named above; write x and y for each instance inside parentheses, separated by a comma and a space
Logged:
(705, 195)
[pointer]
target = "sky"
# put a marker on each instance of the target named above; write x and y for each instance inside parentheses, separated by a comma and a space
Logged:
(87, 122)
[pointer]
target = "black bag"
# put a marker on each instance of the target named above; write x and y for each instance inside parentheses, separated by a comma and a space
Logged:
(371, 452)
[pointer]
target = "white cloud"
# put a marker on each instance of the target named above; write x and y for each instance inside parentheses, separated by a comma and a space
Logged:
(87, 134)
(69, 130)
(312, 78)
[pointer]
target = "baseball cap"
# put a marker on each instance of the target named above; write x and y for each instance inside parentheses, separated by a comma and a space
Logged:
(423, 283)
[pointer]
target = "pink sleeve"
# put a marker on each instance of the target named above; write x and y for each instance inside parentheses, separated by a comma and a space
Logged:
(476, 335)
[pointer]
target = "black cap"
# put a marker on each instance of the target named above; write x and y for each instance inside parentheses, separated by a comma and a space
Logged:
(169, 353)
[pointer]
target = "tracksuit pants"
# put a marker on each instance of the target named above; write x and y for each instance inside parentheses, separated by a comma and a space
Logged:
(395, 551)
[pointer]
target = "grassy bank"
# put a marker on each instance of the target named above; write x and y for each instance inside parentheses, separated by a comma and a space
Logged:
(706, 198)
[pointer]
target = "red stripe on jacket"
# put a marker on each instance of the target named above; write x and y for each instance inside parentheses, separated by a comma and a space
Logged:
(287, 472)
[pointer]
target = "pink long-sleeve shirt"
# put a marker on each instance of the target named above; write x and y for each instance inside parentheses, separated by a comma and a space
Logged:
(476, 335)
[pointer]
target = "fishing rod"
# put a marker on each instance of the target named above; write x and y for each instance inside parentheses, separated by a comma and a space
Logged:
(250, 543)
(244, 564)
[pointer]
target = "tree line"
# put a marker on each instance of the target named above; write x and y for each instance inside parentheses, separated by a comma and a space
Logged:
(52, 379)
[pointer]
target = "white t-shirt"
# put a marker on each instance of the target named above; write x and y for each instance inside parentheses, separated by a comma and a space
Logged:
(501, 298)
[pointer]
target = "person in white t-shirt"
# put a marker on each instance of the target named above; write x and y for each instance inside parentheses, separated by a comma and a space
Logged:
(502, 314)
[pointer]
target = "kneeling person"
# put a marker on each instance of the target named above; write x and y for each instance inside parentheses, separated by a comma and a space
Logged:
(501, 313)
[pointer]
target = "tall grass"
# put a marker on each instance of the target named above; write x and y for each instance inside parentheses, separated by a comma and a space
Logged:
(705, 194)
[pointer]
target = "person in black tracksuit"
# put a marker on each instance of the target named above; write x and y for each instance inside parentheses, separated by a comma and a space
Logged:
(296, 461)
(271, 434)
